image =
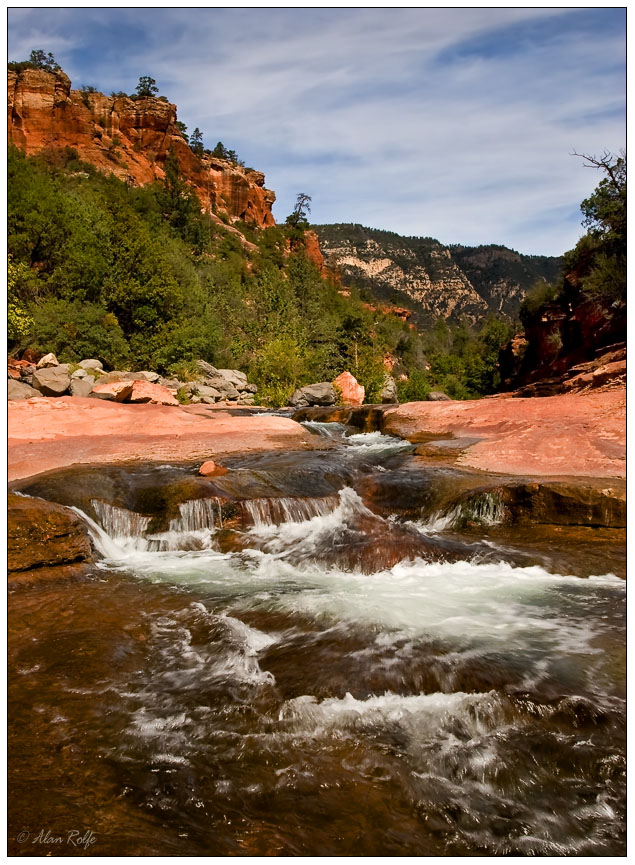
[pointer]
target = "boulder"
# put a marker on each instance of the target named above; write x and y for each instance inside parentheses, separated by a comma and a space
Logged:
(224, 387)
(246, 399)
(172, 384)
(351, 390)
(51, 381)
(115, 375)
(146, 391)
(251, 388)
(235, 377)
(144, 375)
(43, 534)
(207, 368)
(204, 390)
(91, 363)
(388, 393)
(20, 390)
(210, 468)
(116, 391)
(438, 396)
(321, 393)
(79, 373)
(82, 386)
(47, 361)
(206, 400)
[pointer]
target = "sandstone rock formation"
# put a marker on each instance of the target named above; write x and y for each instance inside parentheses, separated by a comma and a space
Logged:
(351, 391)
(448, 282)
(46, 434)
(128, 138)
(41, 534)
(582, 435)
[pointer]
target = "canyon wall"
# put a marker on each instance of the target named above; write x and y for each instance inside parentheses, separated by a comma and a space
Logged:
(130, 138)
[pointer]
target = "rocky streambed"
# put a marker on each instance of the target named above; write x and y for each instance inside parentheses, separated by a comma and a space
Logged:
(353, 649)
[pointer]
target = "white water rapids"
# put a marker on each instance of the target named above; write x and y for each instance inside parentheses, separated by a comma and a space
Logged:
(459, 686)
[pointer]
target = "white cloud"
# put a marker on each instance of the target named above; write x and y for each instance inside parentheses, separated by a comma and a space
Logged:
(441, 122)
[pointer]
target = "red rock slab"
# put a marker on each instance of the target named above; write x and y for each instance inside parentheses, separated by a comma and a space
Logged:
(46, 434)
(113, 390)
(146, 392)
(579, 435)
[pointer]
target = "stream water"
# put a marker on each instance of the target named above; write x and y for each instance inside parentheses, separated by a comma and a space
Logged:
(317, 671)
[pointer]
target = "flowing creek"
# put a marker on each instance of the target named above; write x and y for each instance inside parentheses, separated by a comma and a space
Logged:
(318, 654)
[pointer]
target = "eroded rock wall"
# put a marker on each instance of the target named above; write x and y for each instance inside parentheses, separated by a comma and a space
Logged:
(128, 138)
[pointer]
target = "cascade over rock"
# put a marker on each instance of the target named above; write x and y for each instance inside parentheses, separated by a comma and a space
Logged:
(128, 138)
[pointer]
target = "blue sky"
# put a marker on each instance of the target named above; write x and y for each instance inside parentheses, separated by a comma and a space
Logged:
(451, 123)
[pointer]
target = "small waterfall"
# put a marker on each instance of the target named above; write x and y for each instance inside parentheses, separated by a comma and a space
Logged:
(198, 514)
(191, 530)
(485, 509)
(126, 528)
(274, 511)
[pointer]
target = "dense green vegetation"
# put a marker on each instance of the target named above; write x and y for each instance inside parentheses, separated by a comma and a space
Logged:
(595, 270)
(139, 277)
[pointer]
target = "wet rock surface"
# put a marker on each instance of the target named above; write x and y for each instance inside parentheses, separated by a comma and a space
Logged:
(41, 534)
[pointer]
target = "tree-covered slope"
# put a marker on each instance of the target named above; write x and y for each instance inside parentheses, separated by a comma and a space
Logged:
(447, 282)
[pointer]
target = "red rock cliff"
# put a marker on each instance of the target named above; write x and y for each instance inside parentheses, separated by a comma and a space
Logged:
(128, 138)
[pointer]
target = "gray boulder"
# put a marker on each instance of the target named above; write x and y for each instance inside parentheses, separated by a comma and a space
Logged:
(322, 393)
(47, 361)
(388, 393)
(79, 373)
(91, 363)
(251, 388)
(207, 368)
(20, 390)
(235, 377)
(225, 388)
(204, 390)
(172, 384)
(82, 386)
(52, 381)
(144, 375)
(438, 396)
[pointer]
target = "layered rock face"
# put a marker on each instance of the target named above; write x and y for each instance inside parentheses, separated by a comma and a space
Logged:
(128, 138)
(446, 282)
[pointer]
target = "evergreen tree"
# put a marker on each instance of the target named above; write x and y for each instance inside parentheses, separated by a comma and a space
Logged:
(146, 86)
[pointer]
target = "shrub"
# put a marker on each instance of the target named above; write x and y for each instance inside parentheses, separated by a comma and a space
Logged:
(73, 330)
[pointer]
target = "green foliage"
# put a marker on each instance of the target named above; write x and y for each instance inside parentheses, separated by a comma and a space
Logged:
(298, 216)
(196, 142)
(415, 388)
(38, 60)
(19, 323)
(73, 330)
(146, 87)
(278, 369)
(139, 276)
